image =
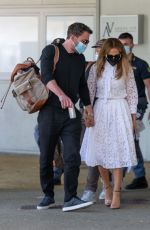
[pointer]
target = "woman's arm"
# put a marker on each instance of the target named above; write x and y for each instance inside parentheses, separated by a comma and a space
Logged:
(132, 96)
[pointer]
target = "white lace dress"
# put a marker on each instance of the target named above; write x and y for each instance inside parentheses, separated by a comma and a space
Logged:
(110, 142)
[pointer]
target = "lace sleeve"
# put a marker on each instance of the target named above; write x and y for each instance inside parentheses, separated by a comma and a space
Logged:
(132, 95)
(92, 83)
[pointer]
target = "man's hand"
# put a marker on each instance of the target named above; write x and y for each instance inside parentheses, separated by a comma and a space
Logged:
(134, 122)
(65, 101)
(63, 98)
(149, 116)
(88, 116)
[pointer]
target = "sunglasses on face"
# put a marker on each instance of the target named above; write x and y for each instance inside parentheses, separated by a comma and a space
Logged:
(113, 56)
(85, 41)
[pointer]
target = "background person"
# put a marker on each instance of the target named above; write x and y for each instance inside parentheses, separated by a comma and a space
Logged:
(142, 78)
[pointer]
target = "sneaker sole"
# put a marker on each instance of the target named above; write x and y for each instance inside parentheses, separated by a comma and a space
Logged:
(75, 207)
(93, 200)
(45, 207)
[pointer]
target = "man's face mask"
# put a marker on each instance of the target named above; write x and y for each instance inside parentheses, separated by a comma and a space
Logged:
(80, 47)
(113, 60)
(128, 50)
(96, 56)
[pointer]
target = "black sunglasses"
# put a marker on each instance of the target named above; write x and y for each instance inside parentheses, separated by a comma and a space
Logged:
(113, 56)
(85, 42)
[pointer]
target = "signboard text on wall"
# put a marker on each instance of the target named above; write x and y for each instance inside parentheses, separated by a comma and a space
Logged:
(114, 25)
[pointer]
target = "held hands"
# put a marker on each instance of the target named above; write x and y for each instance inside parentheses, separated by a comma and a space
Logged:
(134, 123)
(65, 101)
(88, 116)
(149, 117)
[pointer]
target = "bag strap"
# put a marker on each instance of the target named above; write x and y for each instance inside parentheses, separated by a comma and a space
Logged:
(56, 56)
(5, 95)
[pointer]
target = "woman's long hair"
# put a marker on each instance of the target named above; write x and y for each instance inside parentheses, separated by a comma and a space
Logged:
(123, 65)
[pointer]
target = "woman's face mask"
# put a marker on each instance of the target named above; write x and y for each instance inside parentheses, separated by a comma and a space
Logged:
(113, 60)
(80, 47)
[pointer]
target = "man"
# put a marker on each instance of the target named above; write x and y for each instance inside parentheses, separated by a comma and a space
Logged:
(58, 165)
(142, 78)
(66, 84)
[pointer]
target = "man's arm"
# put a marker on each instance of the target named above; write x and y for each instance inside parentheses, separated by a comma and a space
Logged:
(63, 98)
(47, 67)
(85, 97)
(147, 85)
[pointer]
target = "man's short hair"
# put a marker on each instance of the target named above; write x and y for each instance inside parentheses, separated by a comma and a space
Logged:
(77, 29)
(125, 36)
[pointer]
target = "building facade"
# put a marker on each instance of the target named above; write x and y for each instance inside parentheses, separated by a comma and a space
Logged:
(27, 26)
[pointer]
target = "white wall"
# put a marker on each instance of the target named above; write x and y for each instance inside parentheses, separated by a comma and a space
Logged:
(132, 7)
(22, 133)
(16, 126)
(128, 7)
(34, 3)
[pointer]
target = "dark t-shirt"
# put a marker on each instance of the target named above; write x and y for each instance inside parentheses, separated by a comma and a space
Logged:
(141, 72)
(69, 74)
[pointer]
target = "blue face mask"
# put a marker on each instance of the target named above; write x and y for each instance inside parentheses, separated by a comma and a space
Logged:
(80, 47)
(128, 50)
(96, 56)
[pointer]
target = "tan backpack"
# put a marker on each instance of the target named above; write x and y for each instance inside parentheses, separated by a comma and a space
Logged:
(29, 91)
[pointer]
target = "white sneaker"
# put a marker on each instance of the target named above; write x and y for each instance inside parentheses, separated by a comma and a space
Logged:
(89, 196)
(102, 194)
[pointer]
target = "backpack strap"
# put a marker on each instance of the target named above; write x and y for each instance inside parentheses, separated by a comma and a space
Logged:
(5, 95)
(56, 57)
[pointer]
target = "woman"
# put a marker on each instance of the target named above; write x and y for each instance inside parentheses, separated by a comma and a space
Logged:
(110, 143)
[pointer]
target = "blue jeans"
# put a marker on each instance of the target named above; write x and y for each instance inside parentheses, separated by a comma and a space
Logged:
(139, 169)
(36, 135)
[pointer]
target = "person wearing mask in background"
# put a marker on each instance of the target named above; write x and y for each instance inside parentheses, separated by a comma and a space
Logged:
(142, 78)
(91, 185)
(109, 144)
(59, 117)
(88, 66)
